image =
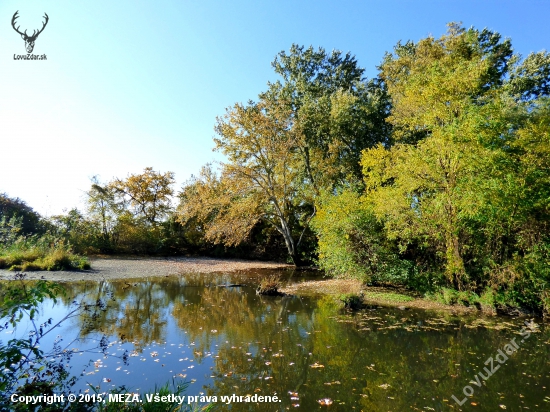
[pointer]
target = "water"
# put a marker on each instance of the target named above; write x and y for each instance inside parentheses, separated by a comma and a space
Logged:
(307, 351)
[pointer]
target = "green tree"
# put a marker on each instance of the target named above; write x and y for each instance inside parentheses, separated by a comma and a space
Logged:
(30, 221)
(305, 135)
(338, 112)
(352, 242)
(453, 181)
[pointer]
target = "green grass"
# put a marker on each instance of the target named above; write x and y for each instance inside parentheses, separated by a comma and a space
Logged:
(44, 253)
(387, 296)
(447, 296)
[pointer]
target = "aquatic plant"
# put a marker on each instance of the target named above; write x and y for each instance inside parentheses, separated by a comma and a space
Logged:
(270, 286)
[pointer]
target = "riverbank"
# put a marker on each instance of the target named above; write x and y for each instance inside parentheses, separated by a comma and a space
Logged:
(113, 268)
(372, 296)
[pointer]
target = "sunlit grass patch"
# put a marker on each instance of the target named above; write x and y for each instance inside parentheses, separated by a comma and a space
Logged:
(44, 253)
(386, 296)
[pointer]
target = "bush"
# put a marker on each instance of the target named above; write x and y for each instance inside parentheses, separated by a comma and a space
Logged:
(352, 242)
(270, 286)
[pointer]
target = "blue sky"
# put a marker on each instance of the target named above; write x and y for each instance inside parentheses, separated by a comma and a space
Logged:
(129, 84)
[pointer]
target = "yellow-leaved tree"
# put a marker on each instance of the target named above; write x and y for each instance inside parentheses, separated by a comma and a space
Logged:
(262, 180)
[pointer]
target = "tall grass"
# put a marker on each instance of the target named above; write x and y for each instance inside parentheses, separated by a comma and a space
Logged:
(46, 252)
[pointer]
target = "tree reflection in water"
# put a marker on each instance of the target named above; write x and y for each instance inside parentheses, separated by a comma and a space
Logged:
(307, 349)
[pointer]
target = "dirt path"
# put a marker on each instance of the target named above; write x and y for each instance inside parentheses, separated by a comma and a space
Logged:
(123, 268)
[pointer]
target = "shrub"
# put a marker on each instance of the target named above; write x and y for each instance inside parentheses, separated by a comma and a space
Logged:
(270, 286)
(352, 242)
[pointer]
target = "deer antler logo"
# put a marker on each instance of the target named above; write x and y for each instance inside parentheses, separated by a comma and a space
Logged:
(29, 40)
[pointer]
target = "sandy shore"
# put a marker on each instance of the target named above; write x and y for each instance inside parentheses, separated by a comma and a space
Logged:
(123, 268)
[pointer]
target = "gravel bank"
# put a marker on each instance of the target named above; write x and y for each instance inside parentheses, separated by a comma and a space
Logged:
(123, 268)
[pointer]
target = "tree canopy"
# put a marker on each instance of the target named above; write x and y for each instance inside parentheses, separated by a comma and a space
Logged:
(304, 135)
(464, 184)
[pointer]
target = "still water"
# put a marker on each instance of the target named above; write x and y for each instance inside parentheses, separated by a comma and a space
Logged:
(306, 350)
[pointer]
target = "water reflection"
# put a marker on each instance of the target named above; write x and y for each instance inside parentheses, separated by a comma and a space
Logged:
(226, 339)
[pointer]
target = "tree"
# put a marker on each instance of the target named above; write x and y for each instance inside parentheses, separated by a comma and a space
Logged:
(147, 195)
(337, 111)
(260, 182)
(457, 119)
(305, 135)
(103, 209)
(17, 209)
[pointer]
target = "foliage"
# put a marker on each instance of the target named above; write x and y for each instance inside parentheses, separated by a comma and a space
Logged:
(338, 112)
(426, 187)
(269, 286)
(457, 179)
(102, 211)
(45, 252)
(457, 198)
(304, 135)
(147, 195)
(129, 215)
(80, 232)
(25, 368)
(29, 222)
(352, 242)
(261, 182)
